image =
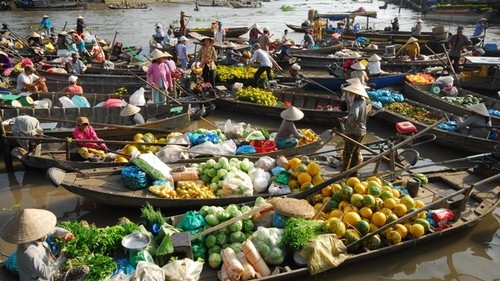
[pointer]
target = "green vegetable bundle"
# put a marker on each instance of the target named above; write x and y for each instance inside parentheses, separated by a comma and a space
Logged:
(298, 231)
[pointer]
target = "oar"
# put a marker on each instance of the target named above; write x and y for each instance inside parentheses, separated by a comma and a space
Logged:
(132, 128)
(444, 162)
(371, 160)
(114, 38)
(318, 84)
(426, 207)
(437, 56)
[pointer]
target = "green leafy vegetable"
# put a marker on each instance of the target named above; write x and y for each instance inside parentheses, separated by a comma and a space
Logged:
(151, 216)
(298, 231)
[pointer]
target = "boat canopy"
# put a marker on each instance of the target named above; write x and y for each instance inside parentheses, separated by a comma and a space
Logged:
(341, 16)
(483, 60)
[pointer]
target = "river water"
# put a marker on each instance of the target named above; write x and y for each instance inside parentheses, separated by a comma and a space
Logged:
(470, 255)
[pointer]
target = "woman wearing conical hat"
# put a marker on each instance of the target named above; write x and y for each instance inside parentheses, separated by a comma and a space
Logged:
(28, 229)
(477, 125)
(374, 66)
(410, 49)
(131, 112)
(288, 135)
(359, 71)
(159, 76)
(355, 124)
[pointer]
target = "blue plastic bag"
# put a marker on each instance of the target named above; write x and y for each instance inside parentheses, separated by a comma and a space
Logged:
(134, 178)
(245, 150)
(123, 266)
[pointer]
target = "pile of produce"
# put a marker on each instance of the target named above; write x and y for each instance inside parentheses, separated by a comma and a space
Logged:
(257, 95)
(420, 78)
(145, 145)
(354, 208)
(309, 136)
(463, 101)
(383, 97)
(419, 114)
(231, 74)
(121, 91)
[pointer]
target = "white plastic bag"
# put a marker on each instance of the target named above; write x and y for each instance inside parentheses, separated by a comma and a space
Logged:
(445, 81)
(183, 270)
(234, 131)
(172, 153)
(67, 102)
(208, 148)
(146, 271)
(237, 183)
(260, 179)
(80, 101)
(137, 98)
(266, 163)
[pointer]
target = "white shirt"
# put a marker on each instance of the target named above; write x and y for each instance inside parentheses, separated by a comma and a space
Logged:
(219, 34)
(262, 57)
(24, 79)
(374, 67)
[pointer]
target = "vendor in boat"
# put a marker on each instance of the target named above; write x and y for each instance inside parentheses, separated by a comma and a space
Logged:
(309, 39)
(355, 125)
(181, 50)
(74, 65)
(285, 54)
(481, 26)
(207, 56)
(265, 61)
(46, 25)
(6, 64)
(27, 126)
(183, 22)
(457, 43)
(254, 34)
(219, 32)
(78, 40)
(232, 56)
(284, 38)
(159, 76)
(348, 62)
(35, 39)
(131, 112)
(91, 151)
(80, 25)
(411, 49)
(264, 40)
(72, 87)
(98, 54)
(395, 24)
(28, 228)
(340, 28)
(318, 28)
(359, 71)
(288, 135)
(478, 125)
(417, 29)
(374, 65)
(29, 81)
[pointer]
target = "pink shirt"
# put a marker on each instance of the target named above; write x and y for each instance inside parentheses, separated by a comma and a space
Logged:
(89, 134)
(73, 89)
(159, 71)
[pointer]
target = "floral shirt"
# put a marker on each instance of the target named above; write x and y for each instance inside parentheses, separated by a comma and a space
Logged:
(207, 56)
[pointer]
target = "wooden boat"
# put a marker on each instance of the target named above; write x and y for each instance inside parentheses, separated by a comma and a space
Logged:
(334, 83)
(245, 4)
(42, 5)
(308, 103)
(470, 194)
(481, 73)
(399, 37)
(422, 94)
(231, 32)
(459, 13)
(453, 140)
(128, 6)
(92, 78)
(323, 50)
(212, 3)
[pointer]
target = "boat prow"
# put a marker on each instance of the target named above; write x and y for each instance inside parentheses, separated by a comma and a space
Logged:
(56, 176)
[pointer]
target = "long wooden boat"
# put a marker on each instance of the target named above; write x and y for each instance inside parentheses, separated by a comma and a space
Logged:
(335, 83)
(247, 4)
(92, 78)
(453, 140)
(481, 73)
(231, 32)
(42, 5)
(459, 14)
(422, 94)
(323, 50)
(313, 105)
(128, 6)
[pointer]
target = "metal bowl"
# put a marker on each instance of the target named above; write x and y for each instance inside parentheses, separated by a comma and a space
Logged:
(135, 241)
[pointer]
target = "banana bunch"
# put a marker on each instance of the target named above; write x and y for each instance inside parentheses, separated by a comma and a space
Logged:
(257, 95)
(121, 91)
(421, 78)
(309, 136)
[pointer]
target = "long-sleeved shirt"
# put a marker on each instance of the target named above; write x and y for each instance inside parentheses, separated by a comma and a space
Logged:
(374, 67)
(26, 126)
(361, 75)
(286, 130)
(46, 23)
(159, 72)
(457, 44)
(33, 258)
(356, 118)
(264, 41)
(76, 67)
(475, 126)
(411, 49)
(262, 57)
(417, 29)
(88, 134)
(207, 56)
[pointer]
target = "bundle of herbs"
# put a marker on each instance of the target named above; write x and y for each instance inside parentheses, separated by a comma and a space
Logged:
(298, 231)
(152, 216)
(94, 246)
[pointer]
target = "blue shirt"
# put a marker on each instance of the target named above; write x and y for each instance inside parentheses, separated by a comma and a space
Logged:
(480, 28)
(46, 23)
(181, 51)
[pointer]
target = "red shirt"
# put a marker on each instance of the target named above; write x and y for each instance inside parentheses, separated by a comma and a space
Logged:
(73, 89)
(88, 134)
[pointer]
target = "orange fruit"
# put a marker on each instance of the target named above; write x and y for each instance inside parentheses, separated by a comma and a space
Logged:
(389, 203)
(395, 193)
(363, 227)
(351, 218)
(294, 163)
(336, 226)
(419, 204)
(386, 194)
(391, 218)
(336, 213)
(327, 191)
(335, 187)
(352, 181)
(304, 178)
(360, 188)
(400, 210)
(417, 230)
(378, 218)
(407, 201)
(386, 211)
(374, 190)
(366, 212)
(401, 229)
(357, 200)
(313, 168)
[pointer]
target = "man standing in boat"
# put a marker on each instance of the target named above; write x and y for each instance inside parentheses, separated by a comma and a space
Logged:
(417, 29)
(457, 43)
(183, 22)
(47, 25)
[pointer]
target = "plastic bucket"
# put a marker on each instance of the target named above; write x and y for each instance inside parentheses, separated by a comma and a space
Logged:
(14, 103)
(26, 100)
(262, 146)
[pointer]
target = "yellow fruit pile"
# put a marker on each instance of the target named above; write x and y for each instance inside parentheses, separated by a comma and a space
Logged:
(303, 176)
(139, 138)
(420, 78)
(310, 136)
(355, 208)
(234, 73)
(257, 95)
(190, 190)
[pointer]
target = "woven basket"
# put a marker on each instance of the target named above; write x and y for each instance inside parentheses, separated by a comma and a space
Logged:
(291, 207)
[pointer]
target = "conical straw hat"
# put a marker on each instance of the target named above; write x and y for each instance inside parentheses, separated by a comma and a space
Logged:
(357, 88)
(480, 109)
(130, 110)
(375, 57)
(156, 54)
(354, 55)
(411, 40)
(34, 34)
(287, 43)
(292, 114)
(358, 66)
(255, 25)
(28, 225)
